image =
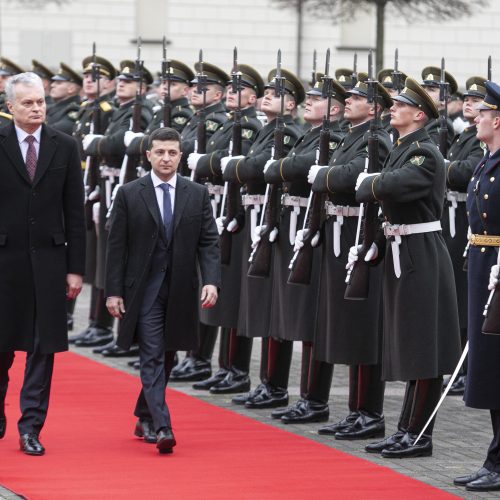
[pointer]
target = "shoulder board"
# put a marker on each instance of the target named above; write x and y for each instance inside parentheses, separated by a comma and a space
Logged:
(105, 106)
(211, 126)
(157, 108)
(180, 120)
(286, 139)
(83, 104)
(5, 115)
(417, 160)
(246, 133)
(332, 145)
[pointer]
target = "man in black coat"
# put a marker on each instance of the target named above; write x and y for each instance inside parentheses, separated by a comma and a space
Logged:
(162, 229)
(421, 331)
(42, 242)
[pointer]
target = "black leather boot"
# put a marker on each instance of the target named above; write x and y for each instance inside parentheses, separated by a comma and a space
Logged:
(207, 384)
(234, 382)
(307, 411)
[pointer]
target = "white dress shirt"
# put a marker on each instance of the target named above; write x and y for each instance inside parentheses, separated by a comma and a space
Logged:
(159, 191)
(21, 136)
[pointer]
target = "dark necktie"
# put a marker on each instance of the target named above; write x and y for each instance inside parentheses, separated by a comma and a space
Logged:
(167, 209)
(31, 157)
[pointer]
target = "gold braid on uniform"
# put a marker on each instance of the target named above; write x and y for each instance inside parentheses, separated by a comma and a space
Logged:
(373, 189)
(281, 168)
(210, 164)
(236, 170)
(448, 171)
(142, 141)
(328, 181)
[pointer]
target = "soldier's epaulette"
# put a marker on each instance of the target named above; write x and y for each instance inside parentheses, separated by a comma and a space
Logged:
(211, 125)
(5, 115)
(106, 106)
(156, 108)
(246, 133)
(180, 120)
(83, 104)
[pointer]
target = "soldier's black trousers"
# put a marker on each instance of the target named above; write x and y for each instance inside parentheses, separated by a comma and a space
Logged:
(492, 462)
(234, 351)
(315, 376)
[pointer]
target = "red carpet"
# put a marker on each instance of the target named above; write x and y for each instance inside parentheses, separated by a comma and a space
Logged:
(92, 453)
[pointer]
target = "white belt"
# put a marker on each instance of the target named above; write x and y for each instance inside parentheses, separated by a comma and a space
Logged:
(109, 171)
(252, 199)
(454, 197)
(398, 230)
(340, 211)
(296, 202)
(293, 201)
(215, 189)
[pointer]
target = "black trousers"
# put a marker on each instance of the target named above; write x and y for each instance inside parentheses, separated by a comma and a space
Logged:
(492, 462)
(35, 391)
(155, 363)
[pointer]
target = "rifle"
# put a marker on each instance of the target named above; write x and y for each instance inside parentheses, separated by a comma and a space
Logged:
(354, 75)
(91, 177)
(443, 115)
(491, 324)
(200, 145)
(260, 259)
(301, 264)
(165, 76)
(232, 189)
(359, 274)
(128, 171)
(396, 74)
(313, 77)
(489, 68)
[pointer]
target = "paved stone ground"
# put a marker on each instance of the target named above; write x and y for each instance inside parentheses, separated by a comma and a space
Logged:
(461, 435)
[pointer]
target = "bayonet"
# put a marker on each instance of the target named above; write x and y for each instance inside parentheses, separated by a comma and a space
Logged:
(489, 68)
(313, 79)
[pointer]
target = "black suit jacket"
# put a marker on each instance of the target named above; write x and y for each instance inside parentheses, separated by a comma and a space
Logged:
(42, 238)
(135, 228)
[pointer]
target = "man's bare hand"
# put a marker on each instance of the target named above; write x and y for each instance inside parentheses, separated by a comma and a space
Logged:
(73, 285)
(116, 307)
(209, 296)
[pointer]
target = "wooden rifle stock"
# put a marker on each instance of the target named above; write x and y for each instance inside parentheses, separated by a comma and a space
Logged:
(443, 134)
(133, 161)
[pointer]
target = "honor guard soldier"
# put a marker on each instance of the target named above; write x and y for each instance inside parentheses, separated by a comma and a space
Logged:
(256, 293)
(93, 117)
(65, 93)
(431, 77)
(463, 156)
(207, 102)
(349, 331)
(175, 89)
(483, 206)
(294, 306)
(46, 75)
(348, 79)
(421, 339)
(388, 79)
(242, 92)
(109, 147)
(7, 69)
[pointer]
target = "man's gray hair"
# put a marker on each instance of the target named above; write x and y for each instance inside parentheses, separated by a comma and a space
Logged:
(29, 78)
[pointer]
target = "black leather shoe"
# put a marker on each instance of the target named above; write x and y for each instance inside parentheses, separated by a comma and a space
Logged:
(144, 429)
(118, 352)
(280, 412)
(458, 387)
(3, 426)
(463, 480)
(235, 381)
(165, 441)
(205, 385)
(489, 482)
(268, 398)
(366, 426)
(330, 430)
(385, 443)
(82, 334)
(97, 337)
(69, 321)
(137, 365)
(241, 399)
(306, 412)
(105, 347)
(30, 444)
(200, 370)
(405, 448)
(181, 367)
(132, 362)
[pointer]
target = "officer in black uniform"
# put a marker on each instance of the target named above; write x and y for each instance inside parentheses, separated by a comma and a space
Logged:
(386, 77)
(421, 339)
(177, 87)
(235, 351)
(347, 331)
(7, 69)
(256, 293)
(463, 156)
(97, 99)
(483, 205)
(110, 148)
(46, 75)
(294, 307)
(65, 93)
(431, 76)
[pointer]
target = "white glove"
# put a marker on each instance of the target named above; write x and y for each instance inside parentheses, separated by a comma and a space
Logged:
(192, 160)
(361, 177)
(372, 254)
(446, 163)
(224, 161)
(94, 195)
(88, 139)
(115, 191)
(130, 136)
(313, 172)
(220, 224)
(266, 166)
(273, 235)
(96, 208)
(232, 226)
(494, 273)
(257, 235)
(299, 240)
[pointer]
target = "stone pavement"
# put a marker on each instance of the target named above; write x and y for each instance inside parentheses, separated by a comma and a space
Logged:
(461, 435)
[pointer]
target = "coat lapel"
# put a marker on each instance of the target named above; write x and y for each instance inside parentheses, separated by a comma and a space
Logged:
(181, 198)
(11, 145)
(48, 145)
(149, 197)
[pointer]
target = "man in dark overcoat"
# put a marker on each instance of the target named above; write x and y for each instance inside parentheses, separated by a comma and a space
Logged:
(42, 249)
(421, 332)
(162, 229)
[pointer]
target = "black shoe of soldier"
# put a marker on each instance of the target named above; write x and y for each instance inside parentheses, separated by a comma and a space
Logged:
(235, 381)
(367, 426)
(241, 399)
(307, 412)
(205, 385)
(270, 397)
(332, 429)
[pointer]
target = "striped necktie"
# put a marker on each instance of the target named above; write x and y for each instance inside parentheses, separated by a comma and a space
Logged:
(31, 158)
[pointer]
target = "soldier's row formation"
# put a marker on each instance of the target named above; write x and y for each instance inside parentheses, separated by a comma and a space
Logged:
(287, 196)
